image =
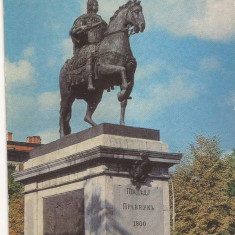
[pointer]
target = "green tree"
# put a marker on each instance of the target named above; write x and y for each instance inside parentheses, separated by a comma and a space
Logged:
(16, 204)
(204, 191)
(13, 187)
(16, 215)
(230, 160)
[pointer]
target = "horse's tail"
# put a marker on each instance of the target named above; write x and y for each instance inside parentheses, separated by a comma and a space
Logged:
(64, 75)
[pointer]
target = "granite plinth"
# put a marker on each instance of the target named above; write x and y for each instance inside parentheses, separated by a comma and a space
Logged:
(92, 172)
(102, 129)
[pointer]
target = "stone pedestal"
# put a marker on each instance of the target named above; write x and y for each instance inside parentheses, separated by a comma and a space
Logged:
(109, 179)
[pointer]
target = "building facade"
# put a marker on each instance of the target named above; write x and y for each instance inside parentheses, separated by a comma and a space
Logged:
(18, 152)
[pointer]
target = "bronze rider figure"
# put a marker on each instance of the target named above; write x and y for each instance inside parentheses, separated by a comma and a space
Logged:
(88, 30)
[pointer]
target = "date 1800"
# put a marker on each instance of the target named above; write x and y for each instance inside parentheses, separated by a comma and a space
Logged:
(139, 223)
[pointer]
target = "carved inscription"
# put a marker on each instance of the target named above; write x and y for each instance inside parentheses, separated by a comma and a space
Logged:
(139, 211)
(127, 206)
(141, 192)
(63, 214)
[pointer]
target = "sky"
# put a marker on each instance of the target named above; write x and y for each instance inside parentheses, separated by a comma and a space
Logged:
(184, 83)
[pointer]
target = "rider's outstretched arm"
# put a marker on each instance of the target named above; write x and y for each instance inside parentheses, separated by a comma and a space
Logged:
(78, 27)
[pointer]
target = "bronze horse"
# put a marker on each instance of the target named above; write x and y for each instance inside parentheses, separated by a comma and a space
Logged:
(114, 66)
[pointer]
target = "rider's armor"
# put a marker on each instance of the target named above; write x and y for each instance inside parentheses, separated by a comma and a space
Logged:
(95, 35)
(91, 36)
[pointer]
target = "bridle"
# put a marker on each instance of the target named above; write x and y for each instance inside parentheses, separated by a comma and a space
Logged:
(130, 30)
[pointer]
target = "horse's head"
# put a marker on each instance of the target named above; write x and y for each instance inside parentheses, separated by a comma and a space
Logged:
(129, 15)
(135, 16)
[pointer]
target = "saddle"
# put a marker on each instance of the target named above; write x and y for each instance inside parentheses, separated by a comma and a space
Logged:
(76, 66)
(89, 55)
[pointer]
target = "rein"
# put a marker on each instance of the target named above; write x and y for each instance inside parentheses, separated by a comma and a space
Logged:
(115, 32)
(127, 30)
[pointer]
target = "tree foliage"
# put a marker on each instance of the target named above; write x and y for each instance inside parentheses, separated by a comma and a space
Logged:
(16, 215)
(13, 187)
(231, 161)
(16, 204)
(204, 191)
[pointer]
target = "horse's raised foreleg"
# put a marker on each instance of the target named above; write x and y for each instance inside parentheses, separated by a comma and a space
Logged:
(92, 103)
(107, 69)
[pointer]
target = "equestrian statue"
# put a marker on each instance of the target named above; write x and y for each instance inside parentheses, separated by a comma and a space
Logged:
(102, 58)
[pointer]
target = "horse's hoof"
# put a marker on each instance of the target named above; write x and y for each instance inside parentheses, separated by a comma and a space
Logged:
(90, 121)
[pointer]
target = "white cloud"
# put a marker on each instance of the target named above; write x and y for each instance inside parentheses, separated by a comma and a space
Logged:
(206, 19)
(51, 62)
(29, 52)
(108, 7)
(178, 90)
(49, 135)
(231, 99)
(140, 109)
(49, 101)
(210, 63)
(53, 26)
(18, 74)
(20, 109)
(66, 46)
(109, 109)
(218, 22)
(145, 71)
(29, 114)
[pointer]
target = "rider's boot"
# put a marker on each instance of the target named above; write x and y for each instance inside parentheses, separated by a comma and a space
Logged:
(90, 83)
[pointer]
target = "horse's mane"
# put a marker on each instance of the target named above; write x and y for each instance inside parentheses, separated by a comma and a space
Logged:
(128, 4)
